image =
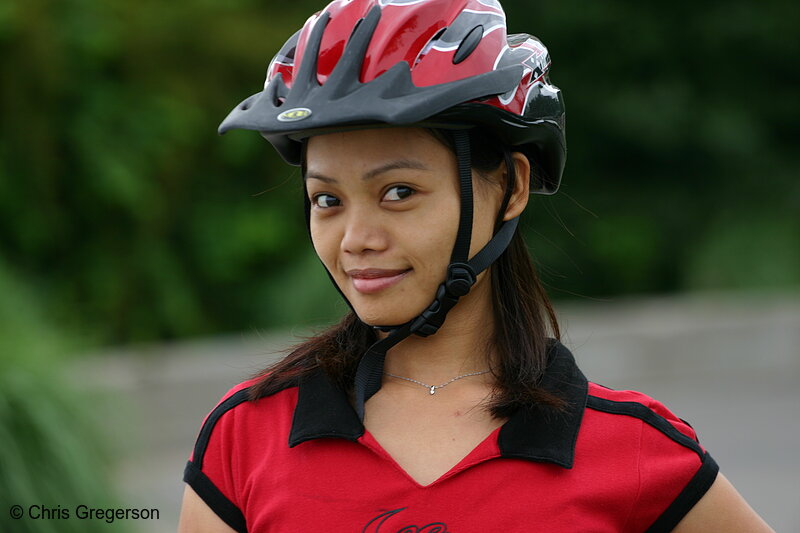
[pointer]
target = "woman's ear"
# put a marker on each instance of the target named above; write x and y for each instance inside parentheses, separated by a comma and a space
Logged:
(522, 186)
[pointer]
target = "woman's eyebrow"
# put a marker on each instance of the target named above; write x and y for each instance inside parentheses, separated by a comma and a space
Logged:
(375, 172)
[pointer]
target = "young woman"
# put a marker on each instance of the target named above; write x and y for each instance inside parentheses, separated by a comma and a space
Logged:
(443, 401)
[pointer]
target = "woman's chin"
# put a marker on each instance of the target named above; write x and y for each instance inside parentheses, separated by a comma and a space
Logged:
(382, 318)
(391, 309)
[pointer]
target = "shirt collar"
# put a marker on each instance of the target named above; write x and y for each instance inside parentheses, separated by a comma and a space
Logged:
(536, 433)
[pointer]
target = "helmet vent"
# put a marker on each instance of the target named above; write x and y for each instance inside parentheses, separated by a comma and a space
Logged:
(244, 106)
(468, 44)
(429, 45)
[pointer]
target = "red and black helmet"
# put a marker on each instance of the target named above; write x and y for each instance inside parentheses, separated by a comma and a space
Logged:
(439, 63)
(433, 63)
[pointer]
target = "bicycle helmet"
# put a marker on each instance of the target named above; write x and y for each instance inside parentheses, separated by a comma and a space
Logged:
(431, 63)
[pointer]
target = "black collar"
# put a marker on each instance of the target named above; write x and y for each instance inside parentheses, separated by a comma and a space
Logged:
(534, 433)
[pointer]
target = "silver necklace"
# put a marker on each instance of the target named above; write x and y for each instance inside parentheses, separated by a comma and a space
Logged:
(433, 388)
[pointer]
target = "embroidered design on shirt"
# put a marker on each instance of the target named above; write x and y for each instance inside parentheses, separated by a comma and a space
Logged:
(376, 525)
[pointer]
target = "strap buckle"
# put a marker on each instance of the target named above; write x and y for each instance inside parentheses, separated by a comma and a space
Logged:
(460, 279)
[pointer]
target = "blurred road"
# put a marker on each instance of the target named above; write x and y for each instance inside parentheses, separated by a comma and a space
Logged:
(727, 363)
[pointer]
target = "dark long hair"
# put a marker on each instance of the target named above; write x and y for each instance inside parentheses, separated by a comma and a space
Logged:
(523, 316)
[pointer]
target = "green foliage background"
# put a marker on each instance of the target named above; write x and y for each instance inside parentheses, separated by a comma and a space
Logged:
(53, 454)
(131, 220)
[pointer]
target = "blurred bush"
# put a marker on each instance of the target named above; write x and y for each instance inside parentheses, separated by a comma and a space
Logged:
(681, 124)
(51, 453)
(135, 221)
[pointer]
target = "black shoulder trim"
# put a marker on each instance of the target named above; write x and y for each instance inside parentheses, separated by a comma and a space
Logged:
(216, 501)
(689, 496)
(644, 413)
(208, 426)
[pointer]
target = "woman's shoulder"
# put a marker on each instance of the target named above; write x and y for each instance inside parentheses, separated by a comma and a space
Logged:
(240, 390)
(617, 414)
(629, 431)
(237, 411)
(632, 406)
(239, 401)
(221, 455)
(665, 448)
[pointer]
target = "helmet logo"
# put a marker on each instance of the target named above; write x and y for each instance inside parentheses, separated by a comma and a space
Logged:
(292, 115)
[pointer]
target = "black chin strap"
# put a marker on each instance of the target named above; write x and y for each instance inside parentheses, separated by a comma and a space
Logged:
(461, 275)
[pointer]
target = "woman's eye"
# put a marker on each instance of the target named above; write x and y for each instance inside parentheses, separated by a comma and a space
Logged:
(326, 200)
(398, 192)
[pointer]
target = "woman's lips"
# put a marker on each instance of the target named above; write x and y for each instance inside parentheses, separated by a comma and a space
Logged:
(372, 280)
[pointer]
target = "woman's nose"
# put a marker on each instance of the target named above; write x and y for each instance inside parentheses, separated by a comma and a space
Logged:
(364, 231)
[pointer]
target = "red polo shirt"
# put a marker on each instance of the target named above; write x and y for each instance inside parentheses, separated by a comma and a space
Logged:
(300, 460)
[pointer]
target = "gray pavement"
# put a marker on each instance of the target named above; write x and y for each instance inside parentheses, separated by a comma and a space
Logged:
(727, 363)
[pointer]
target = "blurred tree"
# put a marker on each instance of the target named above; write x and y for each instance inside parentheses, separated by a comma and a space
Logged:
(137, 222)
(52, 453)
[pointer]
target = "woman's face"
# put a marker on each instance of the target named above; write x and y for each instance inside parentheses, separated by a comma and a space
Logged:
(384, 217)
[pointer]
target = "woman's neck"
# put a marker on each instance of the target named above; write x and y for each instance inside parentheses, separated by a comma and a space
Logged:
(460, 346)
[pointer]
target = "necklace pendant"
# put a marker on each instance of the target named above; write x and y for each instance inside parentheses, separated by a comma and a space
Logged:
(433, 390)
